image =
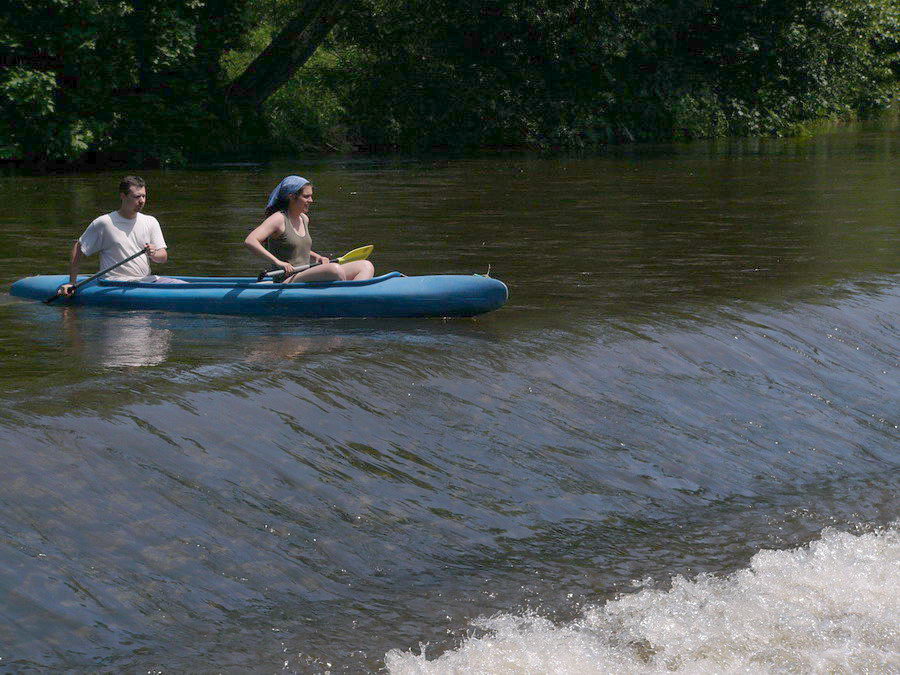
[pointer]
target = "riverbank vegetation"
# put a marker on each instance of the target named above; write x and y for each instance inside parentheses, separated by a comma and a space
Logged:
(178, 80)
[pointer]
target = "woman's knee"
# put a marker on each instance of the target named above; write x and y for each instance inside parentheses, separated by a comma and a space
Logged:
(360, 270)
(336, 270)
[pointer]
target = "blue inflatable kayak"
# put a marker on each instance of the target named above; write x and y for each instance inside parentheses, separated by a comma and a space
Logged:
(389, 295)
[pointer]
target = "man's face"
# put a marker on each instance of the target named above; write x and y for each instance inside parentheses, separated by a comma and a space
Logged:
(134, 199)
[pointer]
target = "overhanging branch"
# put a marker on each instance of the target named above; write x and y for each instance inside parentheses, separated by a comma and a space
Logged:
(287, 52)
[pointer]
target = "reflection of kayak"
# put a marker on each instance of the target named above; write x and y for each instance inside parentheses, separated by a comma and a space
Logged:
(388, 295)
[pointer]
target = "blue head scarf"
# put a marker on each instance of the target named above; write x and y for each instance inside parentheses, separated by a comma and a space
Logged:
(288, 186)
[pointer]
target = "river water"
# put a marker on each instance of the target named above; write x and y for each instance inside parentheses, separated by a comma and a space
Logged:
(675, 448)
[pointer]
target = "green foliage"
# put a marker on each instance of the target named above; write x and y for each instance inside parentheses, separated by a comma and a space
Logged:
(303, 116)
(126, 79)
(32, 124)
(147, 82)
(306, 115)
(577, 73)
(811, 60)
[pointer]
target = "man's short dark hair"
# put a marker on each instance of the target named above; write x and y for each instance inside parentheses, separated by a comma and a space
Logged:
(129, 182)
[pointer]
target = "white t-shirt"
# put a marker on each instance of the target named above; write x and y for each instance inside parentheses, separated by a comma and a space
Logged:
(116, 238)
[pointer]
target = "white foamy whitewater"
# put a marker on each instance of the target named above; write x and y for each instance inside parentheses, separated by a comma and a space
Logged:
(831, 606)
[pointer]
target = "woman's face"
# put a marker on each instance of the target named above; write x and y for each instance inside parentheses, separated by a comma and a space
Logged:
(304, 198)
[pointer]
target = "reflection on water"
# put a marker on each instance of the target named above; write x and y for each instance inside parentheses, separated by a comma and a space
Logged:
(129, 339)
(286, 347)
(114, 339)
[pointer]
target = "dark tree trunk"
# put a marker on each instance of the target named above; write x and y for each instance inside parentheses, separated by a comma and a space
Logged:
(288, 51)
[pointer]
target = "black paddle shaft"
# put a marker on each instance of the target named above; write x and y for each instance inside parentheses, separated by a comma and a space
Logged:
(100, 273)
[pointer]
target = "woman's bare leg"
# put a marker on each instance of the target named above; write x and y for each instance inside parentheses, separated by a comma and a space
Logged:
(359, 270)
(328, 272)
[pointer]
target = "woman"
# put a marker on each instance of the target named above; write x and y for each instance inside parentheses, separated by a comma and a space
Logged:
(286, 229)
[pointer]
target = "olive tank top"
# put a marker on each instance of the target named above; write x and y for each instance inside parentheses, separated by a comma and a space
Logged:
(290, 246)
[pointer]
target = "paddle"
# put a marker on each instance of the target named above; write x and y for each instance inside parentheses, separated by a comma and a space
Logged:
(99, 274)
(360, 253)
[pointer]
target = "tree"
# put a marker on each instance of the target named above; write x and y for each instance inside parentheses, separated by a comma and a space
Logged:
(287, 52)
(135, 78)
(575, 73)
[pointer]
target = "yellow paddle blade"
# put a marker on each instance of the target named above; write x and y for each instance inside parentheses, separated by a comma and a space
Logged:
(360, 253)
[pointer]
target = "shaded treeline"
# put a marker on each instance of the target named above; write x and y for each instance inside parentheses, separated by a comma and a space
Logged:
(173, 80)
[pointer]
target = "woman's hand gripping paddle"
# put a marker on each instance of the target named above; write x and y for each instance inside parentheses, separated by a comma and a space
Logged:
(145, 250)
(360, 253)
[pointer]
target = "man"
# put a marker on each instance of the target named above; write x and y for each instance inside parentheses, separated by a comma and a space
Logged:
(120, 234)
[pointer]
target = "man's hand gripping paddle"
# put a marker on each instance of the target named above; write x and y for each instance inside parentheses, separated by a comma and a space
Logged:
(143, 251)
